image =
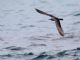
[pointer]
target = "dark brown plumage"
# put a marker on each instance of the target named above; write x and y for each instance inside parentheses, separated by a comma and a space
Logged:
(53, 18)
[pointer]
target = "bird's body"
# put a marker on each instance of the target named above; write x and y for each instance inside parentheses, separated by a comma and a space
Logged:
(53, 18)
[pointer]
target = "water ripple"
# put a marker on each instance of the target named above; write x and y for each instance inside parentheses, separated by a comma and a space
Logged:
(14, 48)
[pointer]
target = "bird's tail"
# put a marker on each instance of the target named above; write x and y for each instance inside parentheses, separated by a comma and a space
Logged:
(58, 19)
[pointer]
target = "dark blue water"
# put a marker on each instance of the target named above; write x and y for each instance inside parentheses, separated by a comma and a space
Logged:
(73, 54)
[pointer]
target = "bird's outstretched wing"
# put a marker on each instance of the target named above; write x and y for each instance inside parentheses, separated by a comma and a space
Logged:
(59, 28)
(53, 18)
(41, 12)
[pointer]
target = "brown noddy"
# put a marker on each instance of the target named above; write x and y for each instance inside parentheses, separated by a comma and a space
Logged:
(53, 18)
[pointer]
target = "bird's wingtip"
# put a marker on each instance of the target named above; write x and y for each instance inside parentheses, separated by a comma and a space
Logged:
(36, 9)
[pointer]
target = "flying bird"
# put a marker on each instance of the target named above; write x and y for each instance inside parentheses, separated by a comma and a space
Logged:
(53, 18)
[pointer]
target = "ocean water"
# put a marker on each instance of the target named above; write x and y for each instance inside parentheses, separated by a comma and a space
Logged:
(28, 35)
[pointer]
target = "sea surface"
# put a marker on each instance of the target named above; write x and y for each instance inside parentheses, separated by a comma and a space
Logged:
(28, 35)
